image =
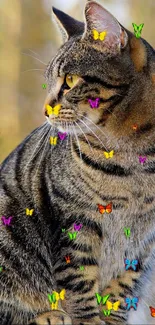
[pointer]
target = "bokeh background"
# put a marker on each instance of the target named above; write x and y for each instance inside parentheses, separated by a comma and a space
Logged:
(28, 41)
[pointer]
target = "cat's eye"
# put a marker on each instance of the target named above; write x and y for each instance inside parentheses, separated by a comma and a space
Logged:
(71, 80)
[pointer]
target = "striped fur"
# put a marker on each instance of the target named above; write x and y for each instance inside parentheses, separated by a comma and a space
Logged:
(65, 183)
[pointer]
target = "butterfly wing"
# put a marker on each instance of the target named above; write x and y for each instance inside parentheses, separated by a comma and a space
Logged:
(101, 208)
(109, 208)
(116, 305)
(135, 27)
(128, 302)
(106, 154)
(104, 299)
(127, 264)
(95, 34)
(141, 27)
(152, 310)
(70, 235)
(74, 235)
(99, 298)
(109, 305)
(49, 109)
(31, 212)
(62, 294)
(111, 153)
(55, 140)
(103, 35)
(57, 109)
(134, 263)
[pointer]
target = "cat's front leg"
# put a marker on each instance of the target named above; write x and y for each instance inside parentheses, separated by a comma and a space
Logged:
(80, 277)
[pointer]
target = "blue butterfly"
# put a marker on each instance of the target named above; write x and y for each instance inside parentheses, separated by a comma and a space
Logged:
(130, 264)
(131, 303)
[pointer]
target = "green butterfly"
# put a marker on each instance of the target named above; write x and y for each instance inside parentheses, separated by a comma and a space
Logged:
(63, 229)
(51, 298)
(72, 235)
(101, 299)
(44, 86)
(82, 268)
(106, 312)
(137, 29)
(127, 232)
(1, 268)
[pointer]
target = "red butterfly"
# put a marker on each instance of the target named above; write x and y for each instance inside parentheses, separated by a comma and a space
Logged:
(67, 258)
(105, 208)
(152, 311)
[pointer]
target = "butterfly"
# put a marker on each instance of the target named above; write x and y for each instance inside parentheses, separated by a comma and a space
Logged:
(108, 154)
(67, 258)
(60, 295)
(113, 306)
(137, 29)
(54, 306)
(52, 298)
(127, 232)
(152, 310)
(130, 264)
(96, 35)
(131, 303)
(94, 103)
(142, 160)
(63, 229)
(1, 268)
(72, 235)
(44, 86)
(77, 227)
(101, 299)
(135, 127)
(53, 110)
(106, 312)
(6, 222)
(29, 212)
(82, 268)
(53, 141)
(62, 136)
(105, 208)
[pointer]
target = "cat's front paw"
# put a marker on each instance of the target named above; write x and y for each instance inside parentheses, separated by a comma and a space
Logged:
(54, 317)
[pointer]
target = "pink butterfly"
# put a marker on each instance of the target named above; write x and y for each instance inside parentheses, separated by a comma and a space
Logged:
(142, 160)
(6, 222)
(77, 227)
(62, 136)
(94, 103)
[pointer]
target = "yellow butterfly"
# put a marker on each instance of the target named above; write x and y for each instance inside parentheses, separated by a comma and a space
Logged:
(54, 305)
(53, 110)
(111, 306)
(53, 140)
(60, 295)
(108, 154)
(29, 212)
(101, 36)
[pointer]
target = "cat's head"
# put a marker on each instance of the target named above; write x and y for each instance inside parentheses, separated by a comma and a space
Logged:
(104, 65)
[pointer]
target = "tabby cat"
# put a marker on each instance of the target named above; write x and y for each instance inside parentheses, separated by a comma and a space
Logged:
(90, 164)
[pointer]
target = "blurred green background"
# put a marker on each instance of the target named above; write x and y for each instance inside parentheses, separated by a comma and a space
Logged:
(28, 41)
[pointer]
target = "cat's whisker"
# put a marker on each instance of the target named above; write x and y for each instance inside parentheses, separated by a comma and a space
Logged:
(42, 134)
(33, 70)
(33, 52)
(94, 125)
(34, 58)
(86, 140)
(78, 145)
(92, 132)
(45, 143)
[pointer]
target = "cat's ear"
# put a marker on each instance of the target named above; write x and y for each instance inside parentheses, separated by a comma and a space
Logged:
(103, 29)
(68, 26)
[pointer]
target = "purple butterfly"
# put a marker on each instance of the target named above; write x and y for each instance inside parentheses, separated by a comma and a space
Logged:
(94, 103)
(77, 227)
(62, 136)
(142, 160)
(6, 222)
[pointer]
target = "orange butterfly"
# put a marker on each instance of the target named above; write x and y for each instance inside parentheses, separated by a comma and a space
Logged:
(105, 208)
(152, 311)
